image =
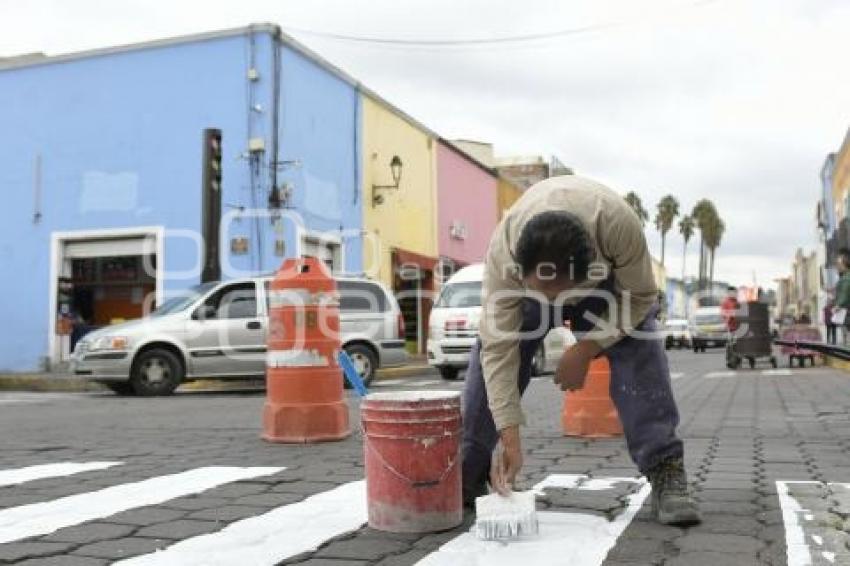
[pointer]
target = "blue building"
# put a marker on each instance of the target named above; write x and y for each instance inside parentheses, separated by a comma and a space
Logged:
(100, 161)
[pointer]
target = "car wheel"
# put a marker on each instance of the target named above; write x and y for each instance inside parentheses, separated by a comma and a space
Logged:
(364, 360)
(156, 372)
(538, 362)
(449, 373)
(119, 387)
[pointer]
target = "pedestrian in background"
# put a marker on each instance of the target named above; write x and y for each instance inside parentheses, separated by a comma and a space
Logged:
(831, 327)
(842, 292)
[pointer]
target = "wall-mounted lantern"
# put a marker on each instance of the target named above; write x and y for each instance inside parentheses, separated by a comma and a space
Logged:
(395, 170)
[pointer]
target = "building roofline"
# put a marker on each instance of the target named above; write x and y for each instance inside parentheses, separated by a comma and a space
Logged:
(290, 41)
(489, 170)
(272, 29)
(129, 47)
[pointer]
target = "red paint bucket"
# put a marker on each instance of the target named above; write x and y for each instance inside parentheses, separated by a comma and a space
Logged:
(412, 446)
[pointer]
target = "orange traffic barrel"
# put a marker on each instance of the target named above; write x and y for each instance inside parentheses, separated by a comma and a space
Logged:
(412, 453)
(589, 412)
(304, 391)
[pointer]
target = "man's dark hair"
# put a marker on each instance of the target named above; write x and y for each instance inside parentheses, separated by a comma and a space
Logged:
(844, 253)
(557, 240)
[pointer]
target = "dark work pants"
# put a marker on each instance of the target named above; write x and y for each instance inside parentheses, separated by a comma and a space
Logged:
(640, 388)
(831, 334)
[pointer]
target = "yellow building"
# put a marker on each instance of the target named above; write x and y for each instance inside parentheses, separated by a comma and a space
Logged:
(841, 179)
(400, 223)
(508, 193)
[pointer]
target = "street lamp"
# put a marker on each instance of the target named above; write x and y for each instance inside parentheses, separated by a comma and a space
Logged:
(395, 170)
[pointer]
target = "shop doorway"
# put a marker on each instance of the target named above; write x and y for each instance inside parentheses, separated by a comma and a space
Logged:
(413, 286)
(101, 278)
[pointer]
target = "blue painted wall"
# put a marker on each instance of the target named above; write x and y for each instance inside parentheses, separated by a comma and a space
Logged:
(119, 136)
(120, 142)
(319, 129)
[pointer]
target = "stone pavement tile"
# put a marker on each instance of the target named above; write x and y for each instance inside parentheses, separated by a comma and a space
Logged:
(194, 503)
(270, 499)
(305, 487)
(405, 559)
(730, 524)
(745, 508)
(645, 550)
(90, 532)
(179, 529)
(65, 560)
(430, 543)
(227, 513)
(696, 541)
(708, 558)
(362, 549)
(12, 551)
(726, 495)
(651, 529)
(121, 548)
(144, 516)
(330, 562)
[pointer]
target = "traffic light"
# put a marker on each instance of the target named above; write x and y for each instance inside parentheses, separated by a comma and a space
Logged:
(211, 203)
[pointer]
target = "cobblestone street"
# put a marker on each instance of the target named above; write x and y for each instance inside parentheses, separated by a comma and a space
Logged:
(766, 450)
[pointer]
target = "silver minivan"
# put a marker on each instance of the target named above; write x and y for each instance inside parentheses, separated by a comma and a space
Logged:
(218, 330)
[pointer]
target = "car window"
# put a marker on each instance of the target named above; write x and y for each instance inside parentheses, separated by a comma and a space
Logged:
(233, 301)
(354, 296)
(460, 295)
(361, 296)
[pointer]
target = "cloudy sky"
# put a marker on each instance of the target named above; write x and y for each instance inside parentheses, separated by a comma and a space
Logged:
(738, 101)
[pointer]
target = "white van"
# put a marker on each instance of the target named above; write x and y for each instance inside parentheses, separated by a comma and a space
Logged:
(453, 327)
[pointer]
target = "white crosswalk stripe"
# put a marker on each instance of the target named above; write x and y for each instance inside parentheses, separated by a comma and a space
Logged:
(677, 375)
(42, 471)
(781, 371)
(720, 374)
(576, 539)
(43, 518)
(272, 537)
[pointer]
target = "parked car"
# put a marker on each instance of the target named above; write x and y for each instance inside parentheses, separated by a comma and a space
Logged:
(677, 333)
(708, 329)
(453, 327)
(218, 330)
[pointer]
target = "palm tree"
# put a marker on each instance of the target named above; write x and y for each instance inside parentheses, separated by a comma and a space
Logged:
(637, 205)
(713, 237)
(703, 213)
(667, 211)
(686, 229)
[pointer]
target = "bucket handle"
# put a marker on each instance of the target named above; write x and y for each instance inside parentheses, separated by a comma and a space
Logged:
(401, 476)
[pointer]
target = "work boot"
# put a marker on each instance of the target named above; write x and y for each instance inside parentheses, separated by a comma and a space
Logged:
(672, 504)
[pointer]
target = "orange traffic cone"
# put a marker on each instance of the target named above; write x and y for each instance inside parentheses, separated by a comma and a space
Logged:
(589, 412)
(304, 390)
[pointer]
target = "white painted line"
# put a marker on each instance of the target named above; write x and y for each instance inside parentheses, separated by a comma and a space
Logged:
(576, 539)
(795, 537)
(781, 371)
(677, 375)
(389, 382)
(268, 539)
(42, 471)
(717, 374)
(43, 518)
(427, 383)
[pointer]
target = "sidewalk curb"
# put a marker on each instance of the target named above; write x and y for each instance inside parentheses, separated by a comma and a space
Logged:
(38, 383)
(70, 384)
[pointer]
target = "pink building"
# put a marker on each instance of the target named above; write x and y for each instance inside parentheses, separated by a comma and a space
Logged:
(467, 209)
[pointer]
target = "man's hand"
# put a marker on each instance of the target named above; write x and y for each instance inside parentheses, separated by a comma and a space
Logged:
(507, 461)
(574, 364)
